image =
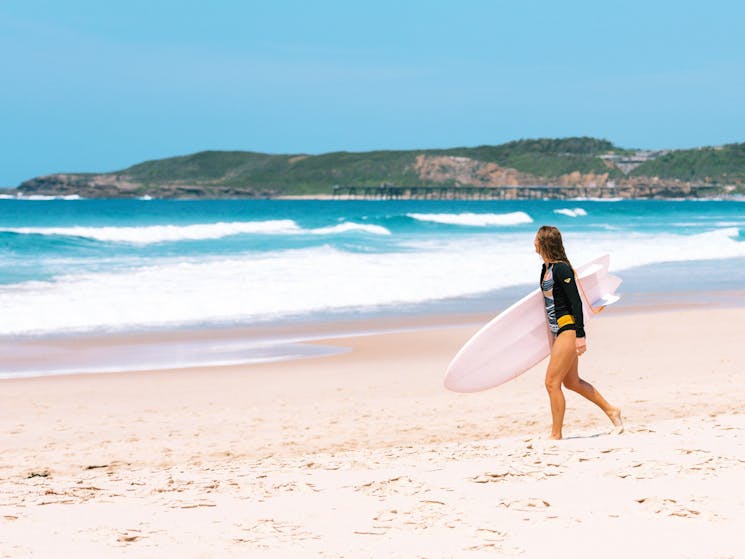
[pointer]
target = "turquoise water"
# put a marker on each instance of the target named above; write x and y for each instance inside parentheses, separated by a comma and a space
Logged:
(113, 265)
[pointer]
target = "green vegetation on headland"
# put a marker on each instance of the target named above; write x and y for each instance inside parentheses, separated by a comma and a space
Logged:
(576, 166)
(717, 165)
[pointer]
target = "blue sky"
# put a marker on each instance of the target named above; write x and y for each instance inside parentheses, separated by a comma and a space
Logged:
(98, 86)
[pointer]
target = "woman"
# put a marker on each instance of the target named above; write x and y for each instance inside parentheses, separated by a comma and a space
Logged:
(564, 314)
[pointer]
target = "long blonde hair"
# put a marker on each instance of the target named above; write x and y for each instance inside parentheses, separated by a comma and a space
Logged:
(550, 244)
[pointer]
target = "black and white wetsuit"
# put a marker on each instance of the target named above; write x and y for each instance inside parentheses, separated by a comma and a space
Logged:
(561, 297)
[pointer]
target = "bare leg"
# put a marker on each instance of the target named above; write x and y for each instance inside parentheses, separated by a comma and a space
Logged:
(563, 360)
(584, 388)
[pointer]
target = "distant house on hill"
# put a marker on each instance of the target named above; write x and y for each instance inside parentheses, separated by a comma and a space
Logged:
(627, 163)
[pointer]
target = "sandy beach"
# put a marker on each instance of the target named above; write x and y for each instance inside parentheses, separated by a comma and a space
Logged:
(365, 454)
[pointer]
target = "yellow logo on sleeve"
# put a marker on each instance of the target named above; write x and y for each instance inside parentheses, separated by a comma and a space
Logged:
(567, 280)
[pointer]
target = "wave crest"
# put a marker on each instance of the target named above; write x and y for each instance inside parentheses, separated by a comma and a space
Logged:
(40, 197)
(475, 220)
(351, 226)
(575, 212)
(196, 232)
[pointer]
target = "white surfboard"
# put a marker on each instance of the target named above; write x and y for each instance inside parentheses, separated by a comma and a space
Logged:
(518, 338)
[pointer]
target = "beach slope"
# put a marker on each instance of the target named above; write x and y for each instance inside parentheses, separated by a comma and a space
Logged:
(364, 454)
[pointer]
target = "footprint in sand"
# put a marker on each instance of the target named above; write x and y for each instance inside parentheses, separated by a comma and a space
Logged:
(296, 487)
(129, 536)
(668, 507)
(266, 532)
(491, 540)
(402, 485)
(425, 514)
(531, 504)
(508, 475)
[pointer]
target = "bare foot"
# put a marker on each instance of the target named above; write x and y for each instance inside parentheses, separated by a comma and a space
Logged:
(553, 437)
(615, 416)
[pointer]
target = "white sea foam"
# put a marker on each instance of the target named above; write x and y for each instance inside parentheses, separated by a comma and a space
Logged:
(256, 286)
(350, 226)
(201, 231)
(475, 220)
(638, 249)
(576, 212)
(252, 287)
(160, 233)
(43, 198)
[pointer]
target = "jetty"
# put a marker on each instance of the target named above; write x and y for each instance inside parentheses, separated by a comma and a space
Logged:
(522, 192)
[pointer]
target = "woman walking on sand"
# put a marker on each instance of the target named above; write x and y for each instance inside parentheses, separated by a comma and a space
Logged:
(565, 321)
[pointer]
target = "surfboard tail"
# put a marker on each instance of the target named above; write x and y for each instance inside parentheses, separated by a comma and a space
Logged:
(599, 291)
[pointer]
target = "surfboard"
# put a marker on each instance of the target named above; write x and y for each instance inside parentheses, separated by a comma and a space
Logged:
(518, 338)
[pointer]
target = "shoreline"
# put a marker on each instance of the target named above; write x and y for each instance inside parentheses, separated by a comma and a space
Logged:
(184, 348)
(374, 360)
(345, 197)
(303, 339)
(11, 194)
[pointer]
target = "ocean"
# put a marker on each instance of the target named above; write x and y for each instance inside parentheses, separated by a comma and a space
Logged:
(70, 266)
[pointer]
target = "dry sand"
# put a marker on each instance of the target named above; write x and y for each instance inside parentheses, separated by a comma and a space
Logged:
(364, 454)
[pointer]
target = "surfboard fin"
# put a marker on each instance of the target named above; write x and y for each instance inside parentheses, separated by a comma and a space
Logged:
(604, 301)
